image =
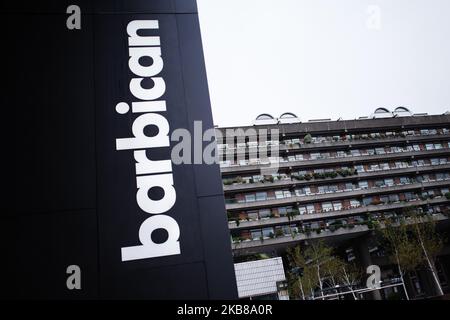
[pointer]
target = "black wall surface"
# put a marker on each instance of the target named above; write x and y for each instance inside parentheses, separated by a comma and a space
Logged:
(73, 198)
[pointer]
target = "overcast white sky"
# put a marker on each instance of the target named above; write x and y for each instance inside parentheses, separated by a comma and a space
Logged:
(325, 58)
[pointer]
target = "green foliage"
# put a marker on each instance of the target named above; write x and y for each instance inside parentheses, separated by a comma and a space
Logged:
(307, 138)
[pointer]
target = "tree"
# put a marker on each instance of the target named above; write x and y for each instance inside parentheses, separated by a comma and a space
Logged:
(413, 241)
(404, 253)
(301, 278)
(313, 263)
(424, 233)
(351, 275)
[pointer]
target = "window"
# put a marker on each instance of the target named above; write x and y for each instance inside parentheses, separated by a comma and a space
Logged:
(404, 180)
(359, 168)
(371, 152)
(355, 153)
(367, 201)
(310, 208)
(363, 184)
(429, 146)
(279, 194)
(389, 182)
(267, 232)
(393, 197)
(282, 211)
(438, 146)
(315, 156)
(384, 166)
(286, 193)
(264, 213)
(416, 147)
(379, 183)
(260, 196)
(327, 206)
(409, 196)
(302, 209)
(337, 205)
(354, 203)
(434, 161)
(299, 192)
(256, 234)
(341, 154)
(249, 197)
(442, 161)
(380, 150)
(333, 188)
(298, 157)
(253, 215)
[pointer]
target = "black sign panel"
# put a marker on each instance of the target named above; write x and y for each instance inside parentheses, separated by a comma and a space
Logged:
(105, 196)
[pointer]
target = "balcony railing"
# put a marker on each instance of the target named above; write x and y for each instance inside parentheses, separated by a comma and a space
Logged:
(234, 204)
(332, 143)
(335, 160)
(240, 244)
(292, 180)
(350, 211)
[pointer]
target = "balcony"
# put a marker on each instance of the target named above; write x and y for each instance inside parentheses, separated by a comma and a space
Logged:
(338, 160)
(341, 194)
(334, 214)
(354, 230)
(330, 145)
(358, 176)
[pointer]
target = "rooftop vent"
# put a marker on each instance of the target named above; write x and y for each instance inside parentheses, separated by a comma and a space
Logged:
(381, 113)
(402, 112)
(288, 117)
(264, 118)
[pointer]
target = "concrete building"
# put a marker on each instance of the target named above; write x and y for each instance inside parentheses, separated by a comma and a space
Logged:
(334, 179)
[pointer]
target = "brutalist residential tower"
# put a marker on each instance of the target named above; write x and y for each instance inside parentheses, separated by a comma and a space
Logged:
(336, 178)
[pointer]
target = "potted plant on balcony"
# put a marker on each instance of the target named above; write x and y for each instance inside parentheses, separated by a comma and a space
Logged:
(279, 233)
(307, 138)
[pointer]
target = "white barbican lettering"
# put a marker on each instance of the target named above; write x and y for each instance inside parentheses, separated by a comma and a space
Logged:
(149, 174)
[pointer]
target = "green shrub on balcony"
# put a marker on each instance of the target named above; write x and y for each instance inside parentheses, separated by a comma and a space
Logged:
(307, 138)
(298, 177)
(271, 235)
(332, 174)
(424, 197)
(447, 195)
(227, 182)
(308, 176)
(279, 233)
